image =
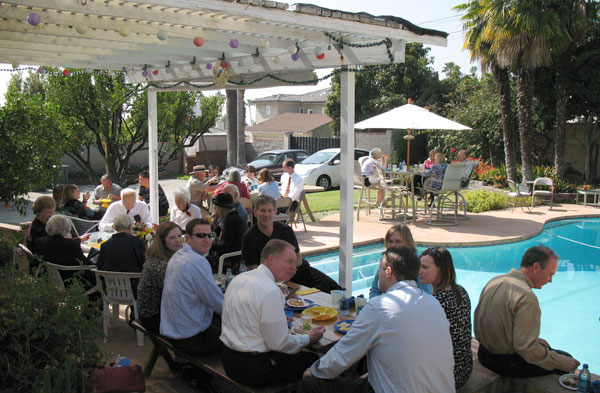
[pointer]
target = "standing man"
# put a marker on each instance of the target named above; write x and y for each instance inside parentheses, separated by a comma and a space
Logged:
(163, 203)
(404, 333)
(197, 187)
(292, 184)
(107, 190)
(191, 301)
(507, 321)
(129, 205)
(266, 229)
(259, 350)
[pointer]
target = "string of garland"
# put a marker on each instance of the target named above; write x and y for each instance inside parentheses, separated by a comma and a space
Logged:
(43, 71)
(386, 41)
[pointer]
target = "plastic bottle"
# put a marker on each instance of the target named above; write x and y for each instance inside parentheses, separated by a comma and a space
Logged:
(344, 306)
(228, 277)
(584, 379)
(243, 267)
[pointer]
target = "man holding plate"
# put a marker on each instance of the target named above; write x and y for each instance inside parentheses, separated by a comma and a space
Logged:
(259, 350)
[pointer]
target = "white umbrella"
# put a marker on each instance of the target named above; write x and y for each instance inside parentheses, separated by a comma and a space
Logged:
(409, 117)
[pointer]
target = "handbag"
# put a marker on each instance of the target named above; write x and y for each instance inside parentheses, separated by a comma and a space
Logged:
(107, 379)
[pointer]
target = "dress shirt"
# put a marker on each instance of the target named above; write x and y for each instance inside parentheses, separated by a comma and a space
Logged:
(406, 337)
(253, 316)
(190, 295)
(197, 188)
(296, 185)
(271, 189)
(374, 291)
(181, 218)
(507, 321)
(241, 210)
(101, 193)
(116, 209)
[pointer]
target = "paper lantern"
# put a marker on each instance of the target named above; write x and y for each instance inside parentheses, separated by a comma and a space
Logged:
(295, 56)
(223, 64)
(162, 35)
(144, 73)
(41, 70)
(209, 66)
(124, 31)
(34, 19)
(198, 41)
(65, 72)
(240, 63)
(321, 56)
(81, 29)
(264, 43)
(234, 43)
(292, 49)
(155, 72)
(276, 60)
(318, 51)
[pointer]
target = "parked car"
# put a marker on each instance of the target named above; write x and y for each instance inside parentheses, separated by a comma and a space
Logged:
(323, 168)
(273, 161)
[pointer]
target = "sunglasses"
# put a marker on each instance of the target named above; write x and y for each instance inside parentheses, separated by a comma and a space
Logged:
(203, 235)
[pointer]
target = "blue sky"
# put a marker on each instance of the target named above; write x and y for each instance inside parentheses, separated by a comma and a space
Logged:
(433, 14)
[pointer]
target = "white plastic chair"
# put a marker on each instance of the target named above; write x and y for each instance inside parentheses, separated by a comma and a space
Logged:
(54, 272)
(542, 181)
(118, 291)
(442, 200)
(364, 196)
(518, 191)
(282, 203)
(222, 258)
(393, 193)
(247, 204)
(464, 185)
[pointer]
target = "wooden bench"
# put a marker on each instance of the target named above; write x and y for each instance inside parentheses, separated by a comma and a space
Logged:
(209, 363)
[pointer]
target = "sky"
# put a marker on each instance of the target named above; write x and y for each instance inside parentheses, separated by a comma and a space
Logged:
(433, 14)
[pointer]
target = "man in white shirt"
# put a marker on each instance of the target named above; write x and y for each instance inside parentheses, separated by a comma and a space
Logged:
(130, 205)
(292, 184)
(259, 349)
(462, 157)
(404, 333)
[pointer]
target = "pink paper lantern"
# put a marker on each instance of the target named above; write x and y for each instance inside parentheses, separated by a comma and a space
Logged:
(321, 56)
(198, 41)
(155, 72)
(65, 72)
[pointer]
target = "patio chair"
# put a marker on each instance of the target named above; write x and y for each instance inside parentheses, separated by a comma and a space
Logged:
(248, 206)
(222, 258)
(118, 291)
(33, 262)
(517, 194)
(443, 197)
(393, 193)
(80, 226)
(55, 270)
(464, 185)
(296, 214)
(364, 196)
(546, 182)
(282, 203)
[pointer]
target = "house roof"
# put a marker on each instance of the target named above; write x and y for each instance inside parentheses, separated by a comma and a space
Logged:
(164, 41)
(292, 122)
(318, 96)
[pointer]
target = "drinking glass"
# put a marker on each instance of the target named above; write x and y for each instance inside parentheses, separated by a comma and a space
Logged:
(336, 295)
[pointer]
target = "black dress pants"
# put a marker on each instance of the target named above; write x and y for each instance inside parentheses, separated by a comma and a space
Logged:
(513, 365)
(311, 277)
(204, 342)
(337, 385)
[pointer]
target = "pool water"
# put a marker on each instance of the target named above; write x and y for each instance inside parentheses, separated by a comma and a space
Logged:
(570, 304)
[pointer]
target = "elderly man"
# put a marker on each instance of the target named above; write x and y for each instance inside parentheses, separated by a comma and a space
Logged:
(191, 301)
(196, 185)
(266, 229)
(231, 229)
(163, 202)
(507, 321)
(259, 349)
(232, 190)
(463, 157)
(292, 184)
(129, 205)
(404, 333)
(107, 190)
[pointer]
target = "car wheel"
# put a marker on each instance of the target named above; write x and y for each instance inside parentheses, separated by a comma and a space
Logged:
(324, 181)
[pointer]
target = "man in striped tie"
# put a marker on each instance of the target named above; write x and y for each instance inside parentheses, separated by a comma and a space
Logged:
(292, 184)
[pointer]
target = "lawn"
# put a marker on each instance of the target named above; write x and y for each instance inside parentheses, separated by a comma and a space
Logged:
(326, 200)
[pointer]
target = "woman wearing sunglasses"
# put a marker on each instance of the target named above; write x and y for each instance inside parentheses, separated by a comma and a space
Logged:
(166, 243)
(437, 269)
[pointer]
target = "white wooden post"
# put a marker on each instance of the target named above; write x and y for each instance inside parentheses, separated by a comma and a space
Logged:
(347, 179)
(153, 153)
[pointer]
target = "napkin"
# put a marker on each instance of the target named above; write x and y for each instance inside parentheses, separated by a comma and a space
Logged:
(307, 291)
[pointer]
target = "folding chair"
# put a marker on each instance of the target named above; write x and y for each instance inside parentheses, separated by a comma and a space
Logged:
(222, 258)
(464, 185)
(118, 291)
(393, 193)
(518, 191)
(542, 181)
(365, 191)
(282, 203)
(248, 206)
(80, 227)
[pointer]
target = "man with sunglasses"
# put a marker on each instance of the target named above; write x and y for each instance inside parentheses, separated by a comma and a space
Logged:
(191, 302)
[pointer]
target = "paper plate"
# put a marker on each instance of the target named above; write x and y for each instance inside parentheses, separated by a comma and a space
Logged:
(307, 303)
(563, 383)
(320, 313)
(343, 326)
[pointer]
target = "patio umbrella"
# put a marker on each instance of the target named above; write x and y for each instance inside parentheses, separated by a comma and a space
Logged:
(410, 117)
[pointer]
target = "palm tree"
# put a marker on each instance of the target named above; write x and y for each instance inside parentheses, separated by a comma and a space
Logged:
(475, 41)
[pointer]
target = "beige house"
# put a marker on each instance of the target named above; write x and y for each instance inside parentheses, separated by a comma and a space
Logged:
(275, 105)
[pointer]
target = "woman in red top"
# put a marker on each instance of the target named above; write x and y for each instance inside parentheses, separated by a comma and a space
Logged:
(234, 178)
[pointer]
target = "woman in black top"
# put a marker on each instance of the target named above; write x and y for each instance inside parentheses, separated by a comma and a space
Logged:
(72, 205)
(43, 208)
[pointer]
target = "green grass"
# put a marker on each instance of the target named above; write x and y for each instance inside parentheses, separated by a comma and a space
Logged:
(326, 201)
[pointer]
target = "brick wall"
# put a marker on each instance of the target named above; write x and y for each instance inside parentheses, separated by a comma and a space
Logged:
(371, 140)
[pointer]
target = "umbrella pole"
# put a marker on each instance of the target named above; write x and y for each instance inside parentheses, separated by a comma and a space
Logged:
(408, 138)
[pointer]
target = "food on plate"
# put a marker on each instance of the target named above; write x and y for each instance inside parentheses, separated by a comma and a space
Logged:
(569, 380)
(320, 313)
(344, 326)
(299, 330)
(296, 303)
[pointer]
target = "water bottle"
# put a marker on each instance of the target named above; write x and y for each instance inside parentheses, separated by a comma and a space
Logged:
(228, 277)
(584, 379)
(344, 306)
(243, 267)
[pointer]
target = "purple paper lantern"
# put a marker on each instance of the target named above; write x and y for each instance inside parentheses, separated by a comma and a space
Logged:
(34, 19)
(144, 73)
(209, 66)
(234, 43)
(41, 70)
(295, 56)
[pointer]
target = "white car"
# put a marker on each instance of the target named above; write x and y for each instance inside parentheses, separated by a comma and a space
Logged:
(323, 167)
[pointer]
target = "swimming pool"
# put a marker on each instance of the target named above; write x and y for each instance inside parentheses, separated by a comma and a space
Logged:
(570, 304)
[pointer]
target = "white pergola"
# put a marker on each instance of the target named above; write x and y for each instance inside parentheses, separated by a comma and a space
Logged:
(212, 44)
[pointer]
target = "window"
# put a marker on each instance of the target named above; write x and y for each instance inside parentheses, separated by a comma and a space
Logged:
(301, 110)
(268, 110)
(300, 156)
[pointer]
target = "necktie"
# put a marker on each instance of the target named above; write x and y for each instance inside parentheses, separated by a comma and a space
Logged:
(287, 189)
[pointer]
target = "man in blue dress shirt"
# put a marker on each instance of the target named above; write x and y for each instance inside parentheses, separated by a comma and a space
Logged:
(404, 333)
(191, 302)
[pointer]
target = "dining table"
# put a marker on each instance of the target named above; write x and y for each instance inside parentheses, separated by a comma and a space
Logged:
(407, 179)
(307, 190)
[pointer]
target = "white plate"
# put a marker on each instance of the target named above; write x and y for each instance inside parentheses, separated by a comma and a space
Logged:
(564, 385)
(295, 303)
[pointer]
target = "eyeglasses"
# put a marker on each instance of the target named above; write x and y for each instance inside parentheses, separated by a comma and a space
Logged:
(203, 235)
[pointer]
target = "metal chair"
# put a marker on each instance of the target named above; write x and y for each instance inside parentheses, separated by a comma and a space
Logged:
(393, 193)
(282, 203)
(80, 226)
(365, 191)
(247, 204)
(442, 197)
(33, 262)
(222, 258)
(518, 191)
(118, 291)
(296, 214)
(54, 272)
(464, 185)
(546, 182)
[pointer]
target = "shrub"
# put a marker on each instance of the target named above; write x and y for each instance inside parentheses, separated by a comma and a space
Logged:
(42, 329)
(482, 200)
